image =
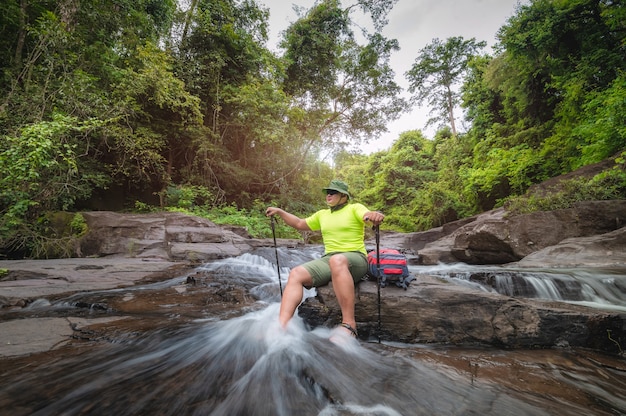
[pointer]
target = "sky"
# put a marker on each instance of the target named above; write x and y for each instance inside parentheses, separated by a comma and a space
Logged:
(414, 23)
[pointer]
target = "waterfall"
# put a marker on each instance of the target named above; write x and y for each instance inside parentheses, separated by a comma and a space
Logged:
(600, 288)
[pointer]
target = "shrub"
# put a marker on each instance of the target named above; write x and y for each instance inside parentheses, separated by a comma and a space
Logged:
(607, 185)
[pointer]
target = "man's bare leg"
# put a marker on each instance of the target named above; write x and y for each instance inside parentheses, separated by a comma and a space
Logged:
(343, 285)
(292, 294)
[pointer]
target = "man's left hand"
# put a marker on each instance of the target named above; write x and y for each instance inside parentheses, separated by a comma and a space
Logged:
(374, 217)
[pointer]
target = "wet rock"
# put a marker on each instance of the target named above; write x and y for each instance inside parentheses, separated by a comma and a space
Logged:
(417, 241)
(32, 324)
(129, 248)
(494, 237)
(432, 311)
(26, 336)
(49, 278)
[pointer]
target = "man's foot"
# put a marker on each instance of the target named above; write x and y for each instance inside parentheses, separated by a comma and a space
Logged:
(350, 329)
(344, 335)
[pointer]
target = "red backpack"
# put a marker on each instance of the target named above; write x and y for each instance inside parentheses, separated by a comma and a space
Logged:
(393, 268)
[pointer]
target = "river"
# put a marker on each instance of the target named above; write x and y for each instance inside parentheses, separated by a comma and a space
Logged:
(246, 365)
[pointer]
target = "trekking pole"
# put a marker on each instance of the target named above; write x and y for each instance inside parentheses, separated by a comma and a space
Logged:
(377, 231)
(280, 284)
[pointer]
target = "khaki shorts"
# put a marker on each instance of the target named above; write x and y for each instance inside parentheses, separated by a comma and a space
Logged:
(319, 269)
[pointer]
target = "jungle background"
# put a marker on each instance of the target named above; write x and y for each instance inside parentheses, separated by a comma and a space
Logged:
(142, 105)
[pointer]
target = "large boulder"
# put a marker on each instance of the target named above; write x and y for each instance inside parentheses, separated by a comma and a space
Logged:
(432, 311)
(497, 237)
(167, 235)
(604, 250)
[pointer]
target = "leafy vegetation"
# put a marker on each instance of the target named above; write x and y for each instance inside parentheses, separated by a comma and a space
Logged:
(154, 105)
(437, 70)
(607, 185)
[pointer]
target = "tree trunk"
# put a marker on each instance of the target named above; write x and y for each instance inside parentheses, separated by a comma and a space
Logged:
(451, 111)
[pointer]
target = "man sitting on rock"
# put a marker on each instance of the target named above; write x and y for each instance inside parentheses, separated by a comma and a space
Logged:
(344, 261)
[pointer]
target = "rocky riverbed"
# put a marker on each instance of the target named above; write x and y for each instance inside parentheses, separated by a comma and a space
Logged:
(30, 286)
(189, 338)
(123, 250)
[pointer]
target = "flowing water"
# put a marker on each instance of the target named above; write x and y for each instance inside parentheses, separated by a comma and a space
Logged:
(248, 365)
(601, 288)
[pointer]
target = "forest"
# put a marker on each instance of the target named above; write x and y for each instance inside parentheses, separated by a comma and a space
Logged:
(143, 105)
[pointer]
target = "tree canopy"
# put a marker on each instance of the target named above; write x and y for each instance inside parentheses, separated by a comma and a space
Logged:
(437, 72)
(131, 104)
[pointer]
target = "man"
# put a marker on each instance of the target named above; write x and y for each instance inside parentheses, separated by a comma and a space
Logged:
(344, 261)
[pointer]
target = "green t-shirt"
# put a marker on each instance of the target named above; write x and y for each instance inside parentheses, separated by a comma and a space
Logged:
(342, 230)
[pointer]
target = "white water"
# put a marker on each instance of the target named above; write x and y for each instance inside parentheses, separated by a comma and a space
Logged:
(249, 366)
(597, 288)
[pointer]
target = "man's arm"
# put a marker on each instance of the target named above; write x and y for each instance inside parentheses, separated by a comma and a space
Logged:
(290, 219)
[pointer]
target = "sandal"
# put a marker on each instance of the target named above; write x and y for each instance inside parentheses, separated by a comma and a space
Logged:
(349, 328)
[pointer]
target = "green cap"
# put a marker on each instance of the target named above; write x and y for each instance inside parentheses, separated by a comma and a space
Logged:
(339, 186)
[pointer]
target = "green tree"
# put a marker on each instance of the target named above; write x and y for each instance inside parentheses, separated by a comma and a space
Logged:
(54, 57)
(223, 61)
(481, 100)
(437, 73)
(549, 102)
(42, 170)
(346, 90)
(557, 53)
(154, 120)
(62, 109)
(397, 179)
(450, 201)
(603, 125)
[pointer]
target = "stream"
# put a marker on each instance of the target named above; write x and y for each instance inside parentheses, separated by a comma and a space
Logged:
(219, 362)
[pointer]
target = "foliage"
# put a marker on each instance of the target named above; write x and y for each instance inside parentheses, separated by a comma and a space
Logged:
(603, 124)
(54, 234)
(560, 57)
(313, 48)
(503, 171)
(393, 181)
(181, 105)
(185, 196)
(551, 101)
(347, 90)
(42, 172)
(452, 155)
(608, 185)
(78, 225)
(436, 72)
(254, 221)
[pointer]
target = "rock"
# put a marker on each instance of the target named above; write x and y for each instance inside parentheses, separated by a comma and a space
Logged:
(604, 250)
(28, 336)
(34, 312)
(167, 235)
(431, 311)
(417, 241)
(440, 250)
(130, 247)
(494, 237)
(498, 238)
(44, 278)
